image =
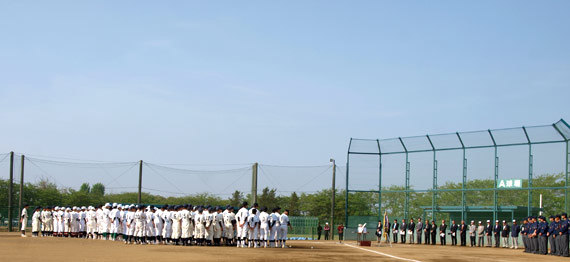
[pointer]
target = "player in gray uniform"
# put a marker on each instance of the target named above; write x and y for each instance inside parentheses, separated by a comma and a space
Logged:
(285, 224)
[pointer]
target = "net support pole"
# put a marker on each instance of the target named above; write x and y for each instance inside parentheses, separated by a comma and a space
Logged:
(379, 180)
(21, 194)
(529, 204)
(496, 177)
(346, 182)
(434, 195)
(140, 182)
(333, 195)
(407, 200)
(567, 166)
(254, 183)
(10, 192)
(464, 181)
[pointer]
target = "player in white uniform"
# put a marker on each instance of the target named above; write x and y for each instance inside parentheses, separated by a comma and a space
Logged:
(241, 219)
(218, 226)
(36, 222)
(82, 212)
(176, 225)
(24, 220)
(263, 227)
(185, 221)
(274, 228)
(209, 232)
(253, 229)
(59, 221)
(230, 226)
(91, 223)
(123, 210)
(73, 222)
(149, 225)
(130, 221)
(47, 222)
(115, 221)
(199, 227)
(105, 222)
(158, 224)
(167, 230)
(140, 219)
(285, 224)
(66, 222)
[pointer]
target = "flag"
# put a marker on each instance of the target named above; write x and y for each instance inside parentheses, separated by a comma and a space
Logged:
(385, 234)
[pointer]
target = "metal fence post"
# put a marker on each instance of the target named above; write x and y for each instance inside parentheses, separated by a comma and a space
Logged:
(379, 180)
(434, 195)
(254, 183)
(407, 200)
(463, 184)
(495, 195)
(333, 195)
(346, 189)
(21, 195)
(10, 192)
(529, 205)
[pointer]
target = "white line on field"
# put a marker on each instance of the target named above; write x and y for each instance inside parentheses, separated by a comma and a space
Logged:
(383, 254)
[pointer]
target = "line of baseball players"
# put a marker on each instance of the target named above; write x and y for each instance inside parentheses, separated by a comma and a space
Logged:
(176, 225)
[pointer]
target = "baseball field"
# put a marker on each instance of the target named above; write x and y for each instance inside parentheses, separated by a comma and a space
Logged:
(16, 248)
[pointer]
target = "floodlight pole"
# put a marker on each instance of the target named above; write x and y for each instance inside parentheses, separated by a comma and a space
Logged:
(333, 193)
(567, 166)
(21, 192)
(10, 191)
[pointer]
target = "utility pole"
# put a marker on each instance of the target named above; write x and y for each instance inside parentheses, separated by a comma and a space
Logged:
(140, 182)
(333, 190)
(254, 183)
(21, 192)
(10, 191)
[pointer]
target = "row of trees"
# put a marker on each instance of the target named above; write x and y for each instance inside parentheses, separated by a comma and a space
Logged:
(316, 204)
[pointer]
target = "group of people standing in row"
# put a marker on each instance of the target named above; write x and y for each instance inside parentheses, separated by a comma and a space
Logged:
(537, 233)
(176, 225)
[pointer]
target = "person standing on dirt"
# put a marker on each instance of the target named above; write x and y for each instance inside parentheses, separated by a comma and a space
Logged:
(319, 231)
(453, 233)
(488, 233)
(473, 232)
(427, 230)
(327, 230)
(505, 234)
(411, 230)
(403, 229)
(497, 233)
(419, 231)
(395, 229)
(442, 232)
(23, 219)
(433, 231)
(463, 233)
(340, 230)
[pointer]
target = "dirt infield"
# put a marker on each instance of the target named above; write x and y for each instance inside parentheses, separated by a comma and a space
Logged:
(15, 248)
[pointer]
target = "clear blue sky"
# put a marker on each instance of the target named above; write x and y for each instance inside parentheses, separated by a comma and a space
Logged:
(274, 82)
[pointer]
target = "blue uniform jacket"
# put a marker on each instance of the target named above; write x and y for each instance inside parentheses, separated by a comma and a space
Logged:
(515, 230)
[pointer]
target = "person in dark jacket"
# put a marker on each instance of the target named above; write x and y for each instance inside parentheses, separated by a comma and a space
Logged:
(433, 231)
(489, 233)
(542, 236)
(442, 231)
(411, 230)
(551, 236)
(427, 232)
(505, 234)
(395, 229)
(515, 230)
(453, 232)
(463, 233)
(497, 233)
(319, 231)
(403, 231)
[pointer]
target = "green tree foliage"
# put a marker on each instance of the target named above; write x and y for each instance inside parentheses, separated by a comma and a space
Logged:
(236, 199)
(317, 204)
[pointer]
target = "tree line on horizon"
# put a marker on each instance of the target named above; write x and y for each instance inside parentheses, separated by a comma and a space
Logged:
(315, 204)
